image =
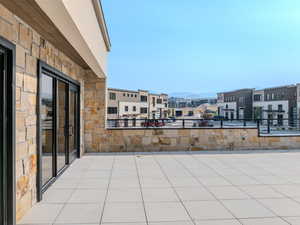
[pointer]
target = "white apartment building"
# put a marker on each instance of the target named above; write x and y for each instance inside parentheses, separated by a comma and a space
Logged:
(128, 104)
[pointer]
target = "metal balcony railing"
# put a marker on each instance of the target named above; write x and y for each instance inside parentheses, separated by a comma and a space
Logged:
(288, 127)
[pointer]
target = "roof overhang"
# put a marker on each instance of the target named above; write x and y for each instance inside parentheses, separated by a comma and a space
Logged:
(77, 28)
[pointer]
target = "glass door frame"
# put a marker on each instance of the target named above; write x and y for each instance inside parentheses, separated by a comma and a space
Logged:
(7, 175)
(45, 69)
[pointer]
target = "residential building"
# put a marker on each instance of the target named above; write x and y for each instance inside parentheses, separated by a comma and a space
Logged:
(128, 104)
(200, 112)
(190, 102)
(236, 104)
(280, 104)
(53, 84)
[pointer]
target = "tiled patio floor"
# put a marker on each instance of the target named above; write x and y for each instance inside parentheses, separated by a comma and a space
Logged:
(175, 189)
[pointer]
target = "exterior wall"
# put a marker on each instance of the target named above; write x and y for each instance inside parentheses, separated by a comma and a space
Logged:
(265, 104)
(30, 47)
(94, 113)
(133, 98)
(193, 140)
(231, 106)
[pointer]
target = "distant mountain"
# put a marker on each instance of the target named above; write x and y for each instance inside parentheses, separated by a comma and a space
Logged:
(192, 95)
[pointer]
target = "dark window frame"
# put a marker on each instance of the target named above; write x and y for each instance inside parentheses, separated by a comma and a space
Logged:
(9, 114)
(112, 96)
(44, 68)
(112, 110)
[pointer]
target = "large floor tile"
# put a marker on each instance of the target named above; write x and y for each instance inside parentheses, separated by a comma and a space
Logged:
(214, 181)
(247, 209)
(261, 191)
(80, 214)
(159, 195)
(282, 207)
(57, 195)
(218, 222)
(88, 196)
(124, 213)
(288, 190)
(292, 220)
(42, 213)
(194, 194)
(264, 221)
(228, 193)
(124, 183)
(167, 211)
(172, 223)
(93, 183)
(124, 195)
(205, 210)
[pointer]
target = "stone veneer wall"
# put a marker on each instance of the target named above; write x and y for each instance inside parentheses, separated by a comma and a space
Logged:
(191, 140)
(30, 47)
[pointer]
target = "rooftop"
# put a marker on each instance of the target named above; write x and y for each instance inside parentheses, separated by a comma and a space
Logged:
(208, 188)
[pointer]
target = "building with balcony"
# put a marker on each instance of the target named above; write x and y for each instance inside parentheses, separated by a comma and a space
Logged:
(235, 104)
(278, 104)
(128, 104)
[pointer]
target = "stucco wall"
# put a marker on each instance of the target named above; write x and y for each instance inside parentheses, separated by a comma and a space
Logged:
(191, 140)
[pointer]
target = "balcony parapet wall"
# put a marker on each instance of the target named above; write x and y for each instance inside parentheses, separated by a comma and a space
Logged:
(190, 140)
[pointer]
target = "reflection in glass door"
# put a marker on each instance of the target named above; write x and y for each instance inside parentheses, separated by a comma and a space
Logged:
(62, 124)
(73, 126)
(46, 115)
(58, 122)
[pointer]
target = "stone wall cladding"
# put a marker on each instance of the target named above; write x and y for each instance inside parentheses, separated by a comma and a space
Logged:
(192, 140)
(29, 49)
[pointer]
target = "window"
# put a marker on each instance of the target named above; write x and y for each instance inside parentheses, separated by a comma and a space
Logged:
(280, 108)
(153, 101)
(134, 108)
(127, 95)
(124, 94)
(159, 101)
(270, 107)
(257, 98)
(126, 108)
(112, 96)
(112, 110)
(144, 110)
(135, 96)
(131, 95)
(166, 105)
(144, 98)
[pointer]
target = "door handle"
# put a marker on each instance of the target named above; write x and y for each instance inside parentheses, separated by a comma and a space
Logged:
(71, 130)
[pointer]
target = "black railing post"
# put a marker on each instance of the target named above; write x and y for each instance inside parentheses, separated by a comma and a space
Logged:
(258, 125)
(269, 128)
(245, 123)
(221, 123)
(183, 123)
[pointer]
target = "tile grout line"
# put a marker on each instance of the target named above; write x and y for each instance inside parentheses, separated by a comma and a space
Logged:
(207, 189)
(65, 203)
(140, 185)
(238, 187)
(173, 188)
(107, 190)
(268, 185)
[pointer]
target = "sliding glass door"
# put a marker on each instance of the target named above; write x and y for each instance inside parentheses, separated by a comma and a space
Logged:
(2, 140)
(62, 125)
(73, 124)
(59, 122)
(47, 134)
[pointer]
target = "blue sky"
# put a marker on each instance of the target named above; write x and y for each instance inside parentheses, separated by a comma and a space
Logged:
(203, 46)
